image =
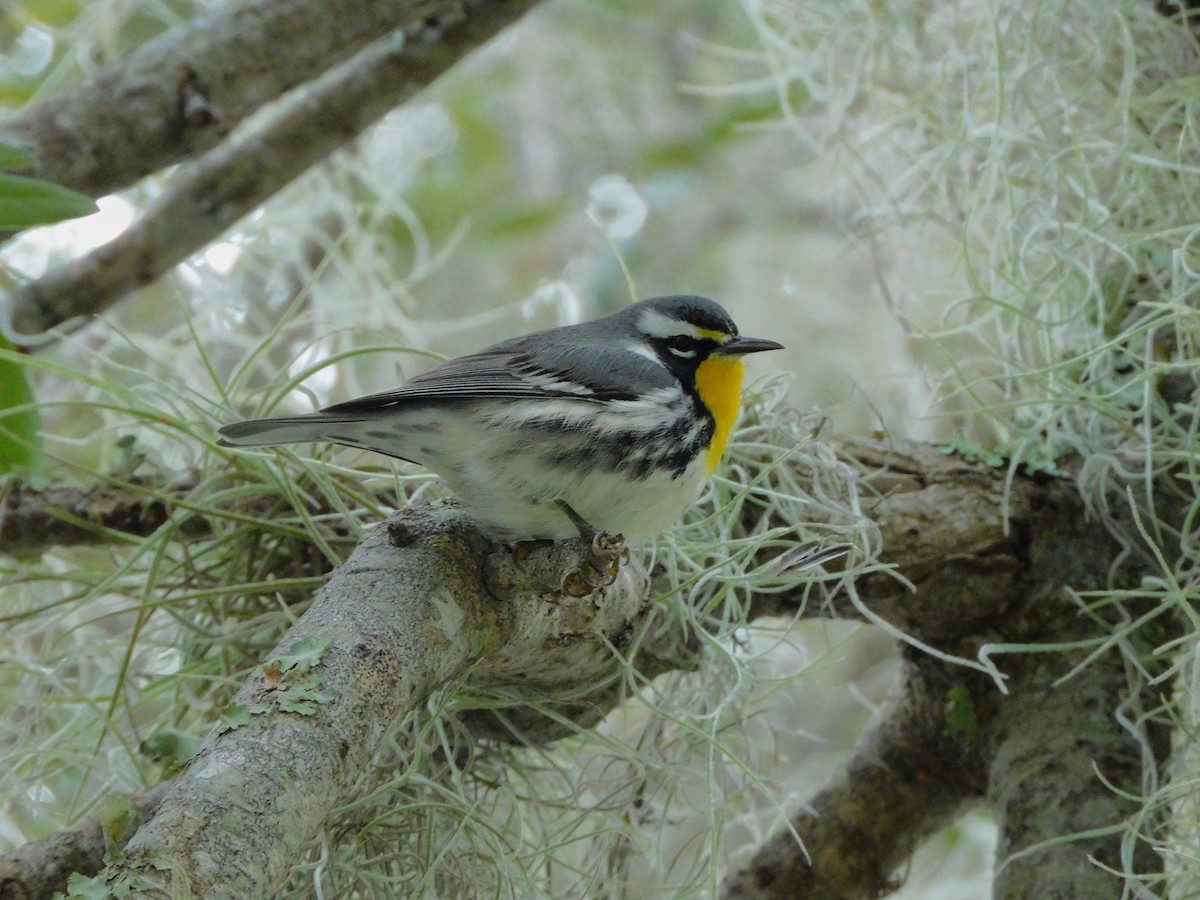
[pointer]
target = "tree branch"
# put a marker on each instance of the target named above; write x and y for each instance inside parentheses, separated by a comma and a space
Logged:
(918, 770)
(964, 548)
(1051, 743)
(40, 868)
(35, 519)
(182, 93)
(241, 173)
(412, 610)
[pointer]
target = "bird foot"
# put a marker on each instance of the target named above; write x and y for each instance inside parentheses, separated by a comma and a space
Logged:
(600, 564)
(570, 568)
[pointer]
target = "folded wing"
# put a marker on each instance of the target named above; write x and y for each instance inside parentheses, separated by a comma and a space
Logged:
(507, 372)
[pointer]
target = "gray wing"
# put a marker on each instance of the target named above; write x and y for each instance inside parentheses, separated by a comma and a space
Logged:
(511, 371)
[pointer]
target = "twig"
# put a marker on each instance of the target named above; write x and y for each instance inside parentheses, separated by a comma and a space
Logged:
(237, 176)
(180, 94)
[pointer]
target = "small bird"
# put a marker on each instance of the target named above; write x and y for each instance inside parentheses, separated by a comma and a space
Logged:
(612, 425)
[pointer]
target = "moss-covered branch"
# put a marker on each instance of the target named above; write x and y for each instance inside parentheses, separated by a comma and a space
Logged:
(963, 556)
(423, 602)
(923, 766)
(974, 555)
(40, 868)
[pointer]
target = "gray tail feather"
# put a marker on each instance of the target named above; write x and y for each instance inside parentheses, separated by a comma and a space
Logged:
(282, 430)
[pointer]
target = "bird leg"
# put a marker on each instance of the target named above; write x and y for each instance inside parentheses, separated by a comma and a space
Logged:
(569, 568)
(602, 562)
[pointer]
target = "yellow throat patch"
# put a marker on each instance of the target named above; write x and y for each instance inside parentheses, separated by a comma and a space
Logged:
(719, 384)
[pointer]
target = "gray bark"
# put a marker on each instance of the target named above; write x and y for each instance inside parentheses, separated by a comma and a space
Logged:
(410, 611)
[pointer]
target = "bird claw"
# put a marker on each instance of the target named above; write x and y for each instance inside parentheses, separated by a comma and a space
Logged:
(600, 566)
(602, 563)
(570, 568)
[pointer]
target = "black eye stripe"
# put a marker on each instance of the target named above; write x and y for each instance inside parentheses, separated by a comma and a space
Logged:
(685, 346)
(681, 342)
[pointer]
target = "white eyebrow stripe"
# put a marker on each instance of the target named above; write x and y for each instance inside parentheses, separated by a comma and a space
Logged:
(657, 325)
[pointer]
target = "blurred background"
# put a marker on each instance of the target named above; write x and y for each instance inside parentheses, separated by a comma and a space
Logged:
(746, 151)
(507, 198)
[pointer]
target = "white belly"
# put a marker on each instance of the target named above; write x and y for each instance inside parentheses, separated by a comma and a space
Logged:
(510, 481)
(520, 501)
(510, 463)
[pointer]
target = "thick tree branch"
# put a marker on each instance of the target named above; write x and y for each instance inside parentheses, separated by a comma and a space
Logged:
(237, 176)
(964, 547)
(1050, 744)
(412, 610)
(921, 767)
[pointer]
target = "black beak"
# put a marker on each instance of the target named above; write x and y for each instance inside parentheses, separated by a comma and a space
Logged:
(741, 345)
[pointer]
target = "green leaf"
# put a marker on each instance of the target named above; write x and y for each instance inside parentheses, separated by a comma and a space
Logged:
(25, 202)
(18, 430)
(15, 158)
